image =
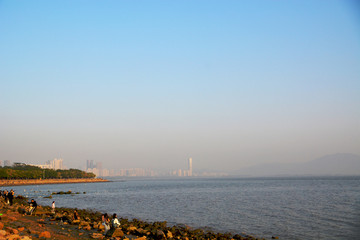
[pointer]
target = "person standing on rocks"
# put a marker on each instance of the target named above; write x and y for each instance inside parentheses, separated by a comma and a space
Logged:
(6, 196)
(76, 216)
(11, 197)
(53, 207)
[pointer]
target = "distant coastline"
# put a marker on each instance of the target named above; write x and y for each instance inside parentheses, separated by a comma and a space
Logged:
(17, 182)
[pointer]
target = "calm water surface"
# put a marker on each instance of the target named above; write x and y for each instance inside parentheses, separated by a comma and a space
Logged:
(290, 208)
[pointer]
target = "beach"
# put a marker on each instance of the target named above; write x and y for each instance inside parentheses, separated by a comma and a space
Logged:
(18, 182)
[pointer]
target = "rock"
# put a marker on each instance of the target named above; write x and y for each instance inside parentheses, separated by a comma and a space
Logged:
(13, 237)
(141, 238)
(76, 222)
(101, 227)
(25, 238)
(11, 230)
(97, 236)
(21, 210)
(169, 235)
(118, 233)
(132, 228)
(3, 232)
(88, 228)
(83, 223)
(160, 234)
(12, 218)
(45, 234)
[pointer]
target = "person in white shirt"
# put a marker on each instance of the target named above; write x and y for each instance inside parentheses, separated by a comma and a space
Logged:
(53, 207)
(115, 222)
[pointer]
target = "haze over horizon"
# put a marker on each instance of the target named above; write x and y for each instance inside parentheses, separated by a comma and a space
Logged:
(149, 84)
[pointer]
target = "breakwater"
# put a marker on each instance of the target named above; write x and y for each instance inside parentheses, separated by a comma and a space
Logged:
(18, 182)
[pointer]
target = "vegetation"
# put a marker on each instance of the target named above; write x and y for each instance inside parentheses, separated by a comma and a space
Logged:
(23, 171)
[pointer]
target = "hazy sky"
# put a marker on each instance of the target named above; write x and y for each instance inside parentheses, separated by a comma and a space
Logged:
(151, 83)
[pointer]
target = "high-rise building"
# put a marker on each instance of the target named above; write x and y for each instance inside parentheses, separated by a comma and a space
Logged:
(1, 163)
(190, 167)
(90, 164)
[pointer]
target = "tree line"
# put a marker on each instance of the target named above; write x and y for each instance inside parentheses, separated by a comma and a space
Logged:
(23, 171)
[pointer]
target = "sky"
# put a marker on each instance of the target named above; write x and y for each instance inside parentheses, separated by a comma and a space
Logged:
(148, 84)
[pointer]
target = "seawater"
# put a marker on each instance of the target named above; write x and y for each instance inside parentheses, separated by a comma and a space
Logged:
(289, 208)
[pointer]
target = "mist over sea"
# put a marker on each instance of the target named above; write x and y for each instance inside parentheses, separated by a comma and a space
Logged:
(290, 208)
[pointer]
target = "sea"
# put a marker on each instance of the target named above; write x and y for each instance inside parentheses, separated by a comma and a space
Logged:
(287, 207)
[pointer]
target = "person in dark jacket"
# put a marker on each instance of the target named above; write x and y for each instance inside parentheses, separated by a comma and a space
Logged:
(33, 206)
(11, 197)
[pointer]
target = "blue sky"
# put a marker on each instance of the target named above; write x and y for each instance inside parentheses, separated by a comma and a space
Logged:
(151, 83)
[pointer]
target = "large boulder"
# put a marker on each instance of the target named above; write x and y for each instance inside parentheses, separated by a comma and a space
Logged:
(3, 232)
(45, 234)
(118, 233)
(13, 237)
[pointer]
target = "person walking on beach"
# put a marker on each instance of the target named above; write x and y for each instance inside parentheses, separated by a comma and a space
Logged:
(53, 207)
(115, 222)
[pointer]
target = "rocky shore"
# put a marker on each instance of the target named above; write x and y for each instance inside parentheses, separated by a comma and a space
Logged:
(16, 182)
(43, 224)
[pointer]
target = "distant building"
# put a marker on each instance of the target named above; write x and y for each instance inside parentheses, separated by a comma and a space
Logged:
(7, 163)
(190, 167)
(96, 168)
(55, 164)
(1, 163)
(90, 164)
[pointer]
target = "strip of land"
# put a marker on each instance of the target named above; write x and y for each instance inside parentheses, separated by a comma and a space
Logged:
(17, 182)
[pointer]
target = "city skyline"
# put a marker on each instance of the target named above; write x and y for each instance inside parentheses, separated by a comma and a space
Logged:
(233, 84)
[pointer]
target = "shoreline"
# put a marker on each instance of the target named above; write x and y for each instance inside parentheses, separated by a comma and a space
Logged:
(19, 182)
(43, 224)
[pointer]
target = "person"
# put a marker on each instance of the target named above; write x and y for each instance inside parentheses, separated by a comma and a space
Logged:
(53, 207)
(115, 221)
(76, 215)
(33, 206)
(105, 222)
(11, 197)
(6, 195)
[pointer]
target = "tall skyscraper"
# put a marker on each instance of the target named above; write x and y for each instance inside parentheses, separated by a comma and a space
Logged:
(190, 167)
(90, 164)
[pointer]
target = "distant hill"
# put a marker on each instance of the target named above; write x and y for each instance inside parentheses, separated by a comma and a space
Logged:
(336, 164)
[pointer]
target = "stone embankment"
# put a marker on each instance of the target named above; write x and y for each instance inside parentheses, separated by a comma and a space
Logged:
(43, 224)
(16, 182)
